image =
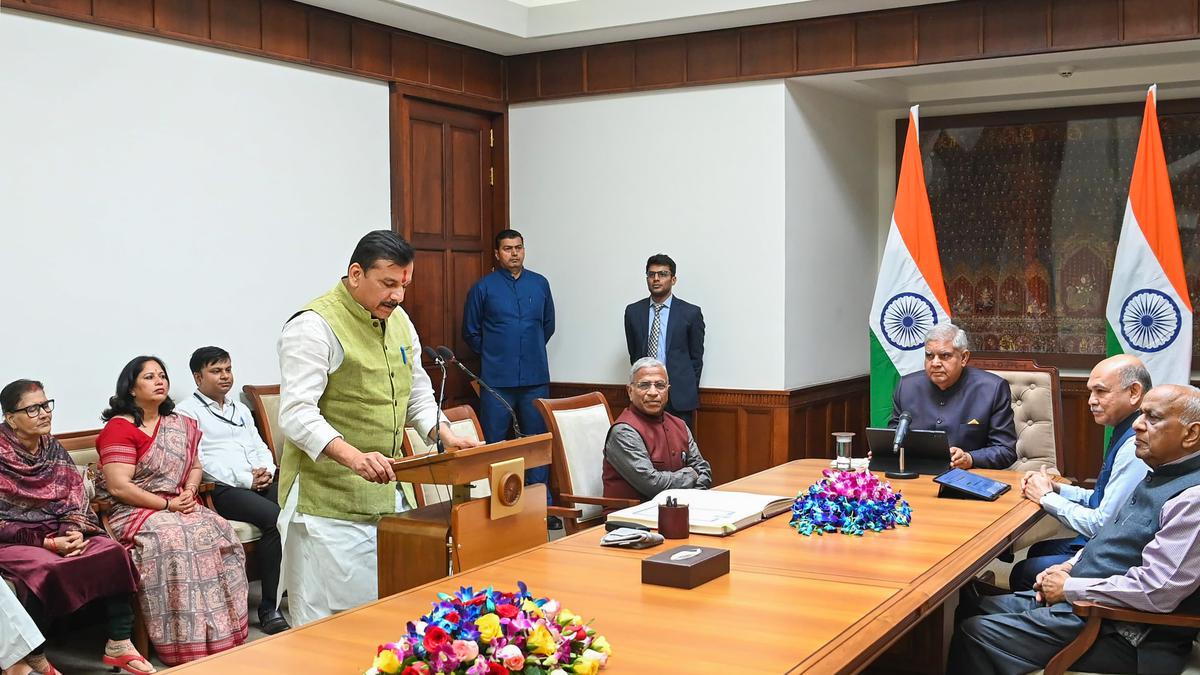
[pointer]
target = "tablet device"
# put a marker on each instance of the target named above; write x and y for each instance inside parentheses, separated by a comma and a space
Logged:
(926, 452)
(966, 484)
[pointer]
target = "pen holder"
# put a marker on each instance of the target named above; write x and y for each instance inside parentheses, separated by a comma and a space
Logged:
(673, 521)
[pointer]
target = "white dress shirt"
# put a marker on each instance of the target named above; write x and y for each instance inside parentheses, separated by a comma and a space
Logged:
(1070, 503)
(230, 446)
(19, 635)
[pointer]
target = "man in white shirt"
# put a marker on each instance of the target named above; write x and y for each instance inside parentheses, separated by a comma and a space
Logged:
(350, 381)
(241, 466)
(1115, 390)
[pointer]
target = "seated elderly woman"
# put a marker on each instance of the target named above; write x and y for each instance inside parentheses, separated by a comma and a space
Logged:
(51, 544)
(192, 566)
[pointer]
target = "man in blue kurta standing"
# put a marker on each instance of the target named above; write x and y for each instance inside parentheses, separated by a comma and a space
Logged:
(507, 320)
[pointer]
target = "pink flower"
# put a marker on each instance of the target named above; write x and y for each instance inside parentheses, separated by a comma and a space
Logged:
(465, 650)
(511, 657)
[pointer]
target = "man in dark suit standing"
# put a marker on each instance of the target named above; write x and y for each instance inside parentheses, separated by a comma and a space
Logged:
(671, 330)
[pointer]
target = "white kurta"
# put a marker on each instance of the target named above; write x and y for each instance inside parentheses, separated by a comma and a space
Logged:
(18, 634)
(329, 565)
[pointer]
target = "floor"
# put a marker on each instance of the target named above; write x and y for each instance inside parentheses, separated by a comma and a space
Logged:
(76, 650)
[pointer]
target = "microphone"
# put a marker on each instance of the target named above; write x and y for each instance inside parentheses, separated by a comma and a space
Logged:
(448, 356)
(437, 429)
(905, 421)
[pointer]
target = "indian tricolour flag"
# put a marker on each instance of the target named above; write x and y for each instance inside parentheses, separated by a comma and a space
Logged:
(1149, 314)
(910, 296)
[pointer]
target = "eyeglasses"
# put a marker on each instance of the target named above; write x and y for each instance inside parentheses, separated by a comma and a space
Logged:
(660, 274)
(32, 410)
(645, 386)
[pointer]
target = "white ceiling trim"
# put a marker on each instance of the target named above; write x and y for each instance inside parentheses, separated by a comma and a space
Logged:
(521, 26)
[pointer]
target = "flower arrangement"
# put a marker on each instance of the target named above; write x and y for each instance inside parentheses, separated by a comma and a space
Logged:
(850, 502)
(495, 633)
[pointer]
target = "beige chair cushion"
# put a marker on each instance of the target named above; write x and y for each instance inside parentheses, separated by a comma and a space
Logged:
(87, 461)
(270, 411)
(582, 432)
(1033, 417)
(246, 532)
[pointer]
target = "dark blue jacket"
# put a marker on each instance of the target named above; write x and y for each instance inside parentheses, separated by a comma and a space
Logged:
(685, 347)
(975, 412)
(508, 323)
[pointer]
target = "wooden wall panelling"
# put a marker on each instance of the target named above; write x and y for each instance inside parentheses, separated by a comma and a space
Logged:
(1078, 23)
(712, 57)
(768, 50)
(1145, 20)
(522, 77)
(561, 73)
(483, 74)
(133, 12)
(1015, 26)
(370, 48)
(949, 32)
(1084, 451)
(295, 32)
(183, 17)
(236, 22)
(610, 67)
(445, 66)
(660, 62)
(284, 29)
(329, 39)
(886, 39)
(71, 6)
(825, 45)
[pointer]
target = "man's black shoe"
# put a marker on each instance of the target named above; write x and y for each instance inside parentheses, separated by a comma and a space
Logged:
(272, 622)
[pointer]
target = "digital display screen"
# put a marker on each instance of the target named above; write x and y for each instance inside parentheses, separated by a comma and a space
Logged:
(972, 483)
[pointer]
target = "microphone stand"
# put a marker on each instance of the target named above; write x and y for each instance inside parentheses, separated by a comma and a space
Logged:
(898, 448)
(437, 429)
(448, 355)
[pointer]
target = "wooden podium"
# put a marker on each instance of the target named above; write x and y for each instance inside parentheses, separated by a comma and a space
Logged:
(422, 545)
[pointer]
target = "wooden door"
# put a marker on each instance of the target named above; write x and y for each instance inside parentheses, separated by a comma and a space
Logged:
(446, 203)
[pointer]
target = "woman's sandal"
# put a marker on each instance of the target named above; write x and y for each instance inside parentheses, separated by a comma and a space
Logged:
(122, 662)
(48, 670)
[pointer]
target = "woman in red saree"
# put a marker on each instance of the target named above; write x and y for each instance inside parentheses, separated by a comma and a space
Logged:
(51, 544)
(192, 566)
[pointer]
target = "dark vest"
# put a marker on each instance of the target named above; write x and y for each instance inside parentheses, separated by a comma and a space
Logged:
(666, 441)
(1118, 545)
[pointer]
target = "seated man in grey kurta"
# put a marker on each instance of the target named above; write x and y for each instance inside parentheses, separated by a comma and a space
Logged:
(649, 450)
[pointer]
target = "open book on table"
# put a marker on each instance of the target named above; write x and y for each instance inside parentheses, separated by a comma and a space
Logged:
(717, 512)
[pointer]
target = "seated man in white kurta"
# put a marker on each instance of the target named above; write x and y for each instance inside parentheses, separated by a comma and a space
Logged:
(350, 381)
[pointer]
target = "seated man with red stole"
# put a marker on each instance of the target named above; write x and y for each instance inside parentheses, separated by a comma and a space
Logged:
(649, 450)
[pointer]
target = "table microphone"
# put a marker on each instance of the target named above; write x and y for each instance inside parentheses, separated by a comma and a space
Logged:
(901, 431)
(448, 357)
(437, 429)
(902, 426)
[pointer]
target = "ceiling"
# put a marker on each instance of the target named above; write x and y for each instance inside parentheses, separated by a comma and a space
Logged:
(522, 26)
(1096, 76)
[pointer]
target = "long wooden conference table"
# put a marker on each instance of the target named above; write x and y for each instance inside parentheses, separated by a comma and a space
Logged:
(790, 603)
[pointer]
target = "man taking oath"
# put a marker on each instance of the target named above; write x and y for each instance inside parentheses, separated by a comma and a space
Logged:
(350, 381)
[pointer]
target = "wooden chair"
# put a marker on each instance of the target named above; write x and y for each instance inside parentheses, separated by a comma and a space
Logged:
(579, 425)
(1037, 411)
(1094, 614)
(264, 405)
(1038, 419)
(463, 422)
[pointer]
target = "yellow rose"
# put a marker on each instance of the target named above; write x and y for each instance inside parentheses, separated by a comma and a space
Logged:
(386, 662)
(586, 667)
(541, 641)
(567, 617)
(531, 608)
(601, 645)
(489, 627)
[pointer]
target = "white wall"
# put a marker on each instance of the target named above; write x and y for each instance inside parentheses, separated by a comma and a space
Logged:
(599, 184)
(831, 235)
(156, 197)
